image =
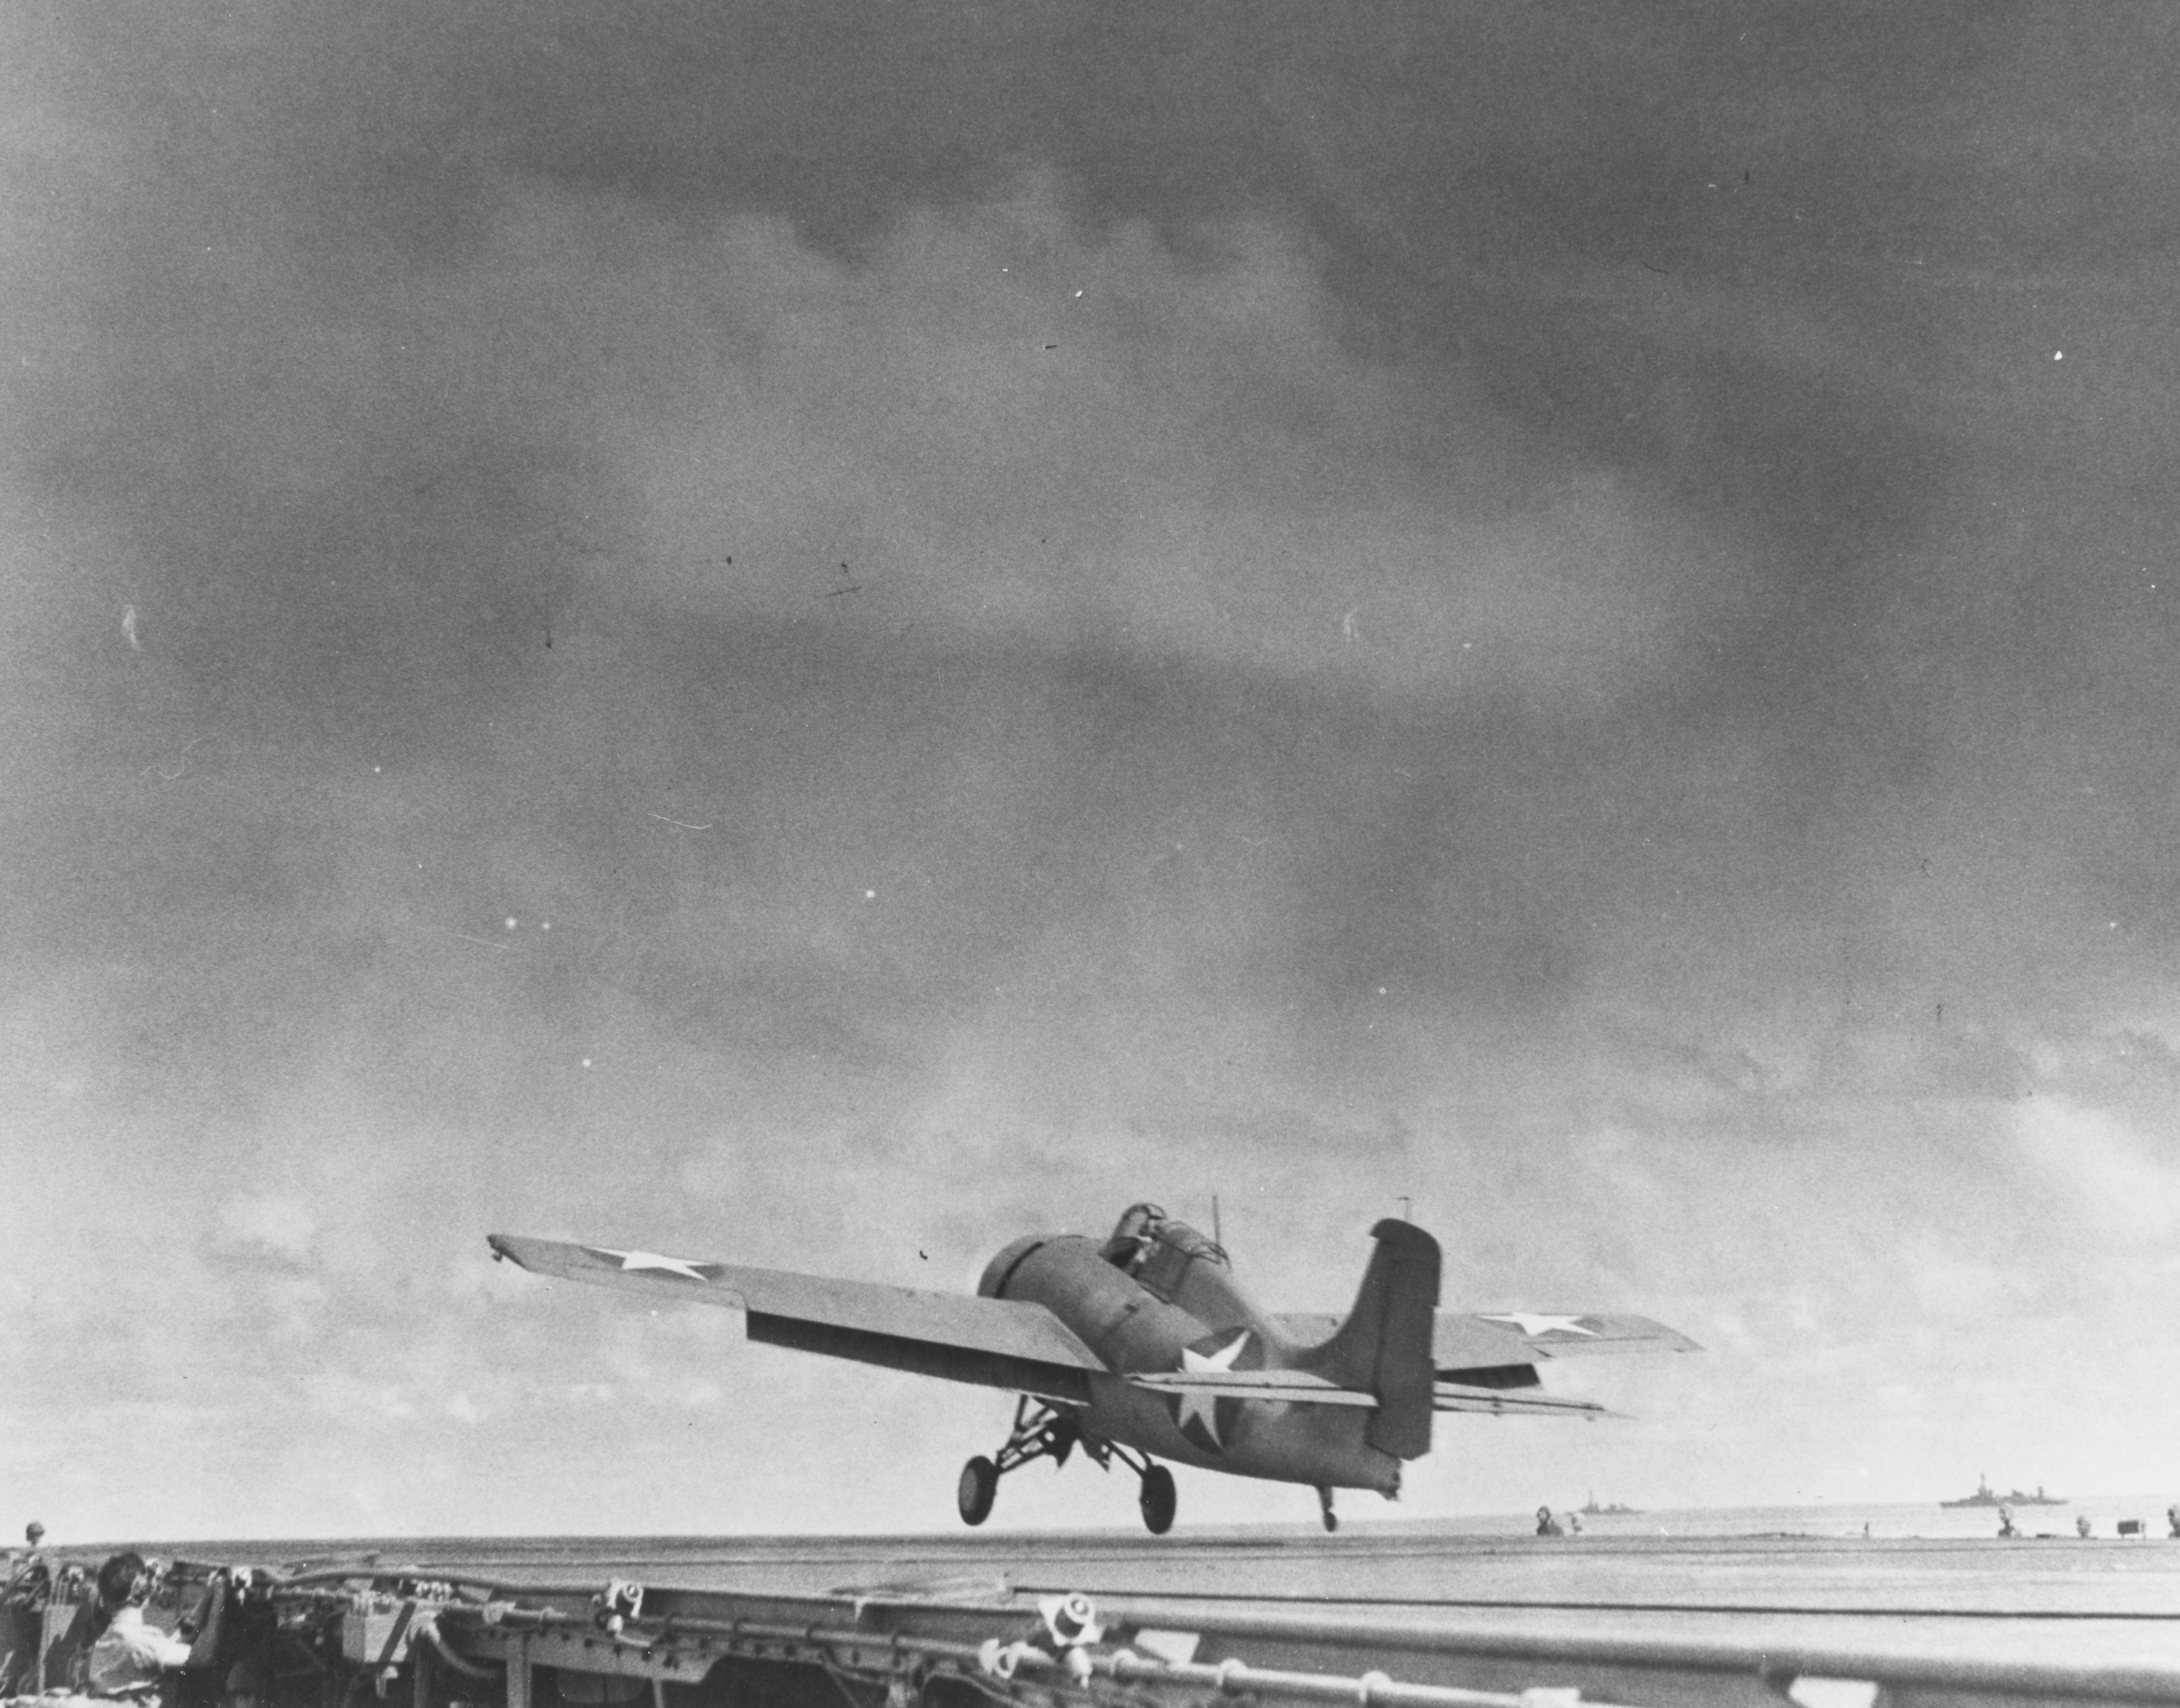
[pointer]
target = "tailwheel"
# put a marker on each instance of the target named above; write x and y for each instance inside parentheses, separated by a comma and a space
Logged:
(1158, 1500)
(978, 1488)
(1325, 1508)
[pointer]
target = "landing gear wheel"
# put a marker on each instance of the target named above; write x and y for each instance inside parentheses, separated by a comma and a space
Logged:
(1040, 1431)
(1324, 1509)
(1158, 1500)
(979, 1486)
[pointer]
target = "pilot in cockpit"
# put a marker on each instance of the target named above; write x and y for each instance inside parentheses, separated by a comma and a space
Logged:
(1133, 1236)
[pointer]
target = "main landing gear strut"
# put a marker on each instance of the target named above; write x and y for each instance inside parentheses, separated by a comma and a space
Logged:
(1040, 1432)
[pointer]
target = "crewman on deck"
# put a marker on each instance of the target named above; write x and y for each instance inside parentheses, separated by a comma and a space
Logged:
(130, 1659)
(29, 1587)
(249, 1685)
(2172, 1522)
(1547, 1525)
(29, 1567)
(2006, 1521)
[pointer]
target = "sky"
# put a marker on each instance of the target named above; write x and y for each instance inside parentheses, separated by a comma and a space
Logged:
(822, 636)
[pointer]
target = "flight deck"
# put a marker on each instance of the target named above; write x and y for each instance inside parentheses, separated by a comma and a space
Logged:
(1405, 1614)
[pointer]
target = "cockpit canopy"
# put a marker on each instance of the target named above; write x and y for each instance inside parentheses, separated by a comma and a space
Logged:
(1133, 1235)
(1158, 1249)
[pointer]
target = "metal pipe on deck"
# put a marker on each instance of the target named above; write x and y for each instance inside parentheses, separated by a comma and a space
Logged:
(2047, 1681)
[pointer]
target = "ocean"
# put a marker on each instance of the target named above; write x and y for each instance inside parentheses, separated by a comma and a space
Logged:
(1893, 1521)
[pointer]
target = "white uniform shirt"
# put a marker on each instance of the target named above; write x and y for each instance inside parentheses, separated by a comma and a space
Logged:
(130, 1655)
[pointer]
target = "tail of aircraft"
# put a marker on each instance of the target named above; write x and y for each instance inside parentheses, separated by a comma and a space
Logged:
(1384, 1346)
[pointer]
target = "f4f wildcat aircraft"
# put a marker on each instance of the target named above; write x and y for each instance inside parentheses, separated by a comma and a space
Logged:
(1143, 1349)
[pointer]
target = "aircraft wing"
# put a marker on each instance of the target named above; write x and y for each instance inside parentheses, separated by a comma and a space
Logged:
(992, 1342)
(1484, 1340)
(1453, 1396)
(1294, 1386)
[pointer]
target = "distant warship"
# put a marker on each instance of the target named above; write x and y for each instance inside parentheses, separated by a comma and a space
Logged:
(1614, 1509)
(1985, 1496)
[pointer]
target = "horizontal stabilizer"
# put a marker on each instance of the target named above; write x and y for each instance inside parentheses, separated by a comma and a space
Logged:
(1449, 1396)
(1471, 1340)
(1298, 1386)
(992, 1342)
(1548, 1334)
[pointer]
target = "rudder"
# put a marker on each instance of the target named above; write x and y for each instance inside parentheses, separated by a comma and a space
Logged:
(1384, 1346)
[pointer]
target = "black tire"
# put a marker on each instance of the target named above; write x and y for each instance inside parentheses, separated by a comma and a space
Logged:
(1158, 1500)
(1331, 1520)
(978, 1488)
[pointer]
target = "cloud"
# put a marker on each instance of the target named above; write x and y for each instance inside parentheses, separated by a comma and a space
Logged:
(350, 1400)
(1950, 1282)
(1004, 428)
(2109, 1175)
(1007, 429)
(284, 1226)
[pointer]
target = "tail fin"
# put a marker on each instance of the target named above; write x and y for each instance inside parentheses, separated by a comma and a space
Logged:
(1384, 1346)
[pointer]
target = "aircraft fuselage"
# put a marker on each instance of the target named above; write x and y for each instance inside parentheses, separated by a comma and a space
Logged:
(1170, 1305)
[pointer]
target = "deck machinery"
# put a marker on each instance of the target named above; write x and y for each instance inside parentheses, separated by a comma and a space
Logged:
(352, 1635)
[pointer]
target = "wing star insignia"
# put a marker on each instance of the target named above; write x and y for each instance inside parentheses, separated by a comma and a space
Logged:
(1197, 1414)
(1533, 1323)
(687, 1268)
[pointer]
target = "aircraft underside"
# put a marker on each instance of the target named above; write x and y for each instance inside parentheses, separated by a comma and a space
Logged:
(1043, 1431)
(1130, 1427)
